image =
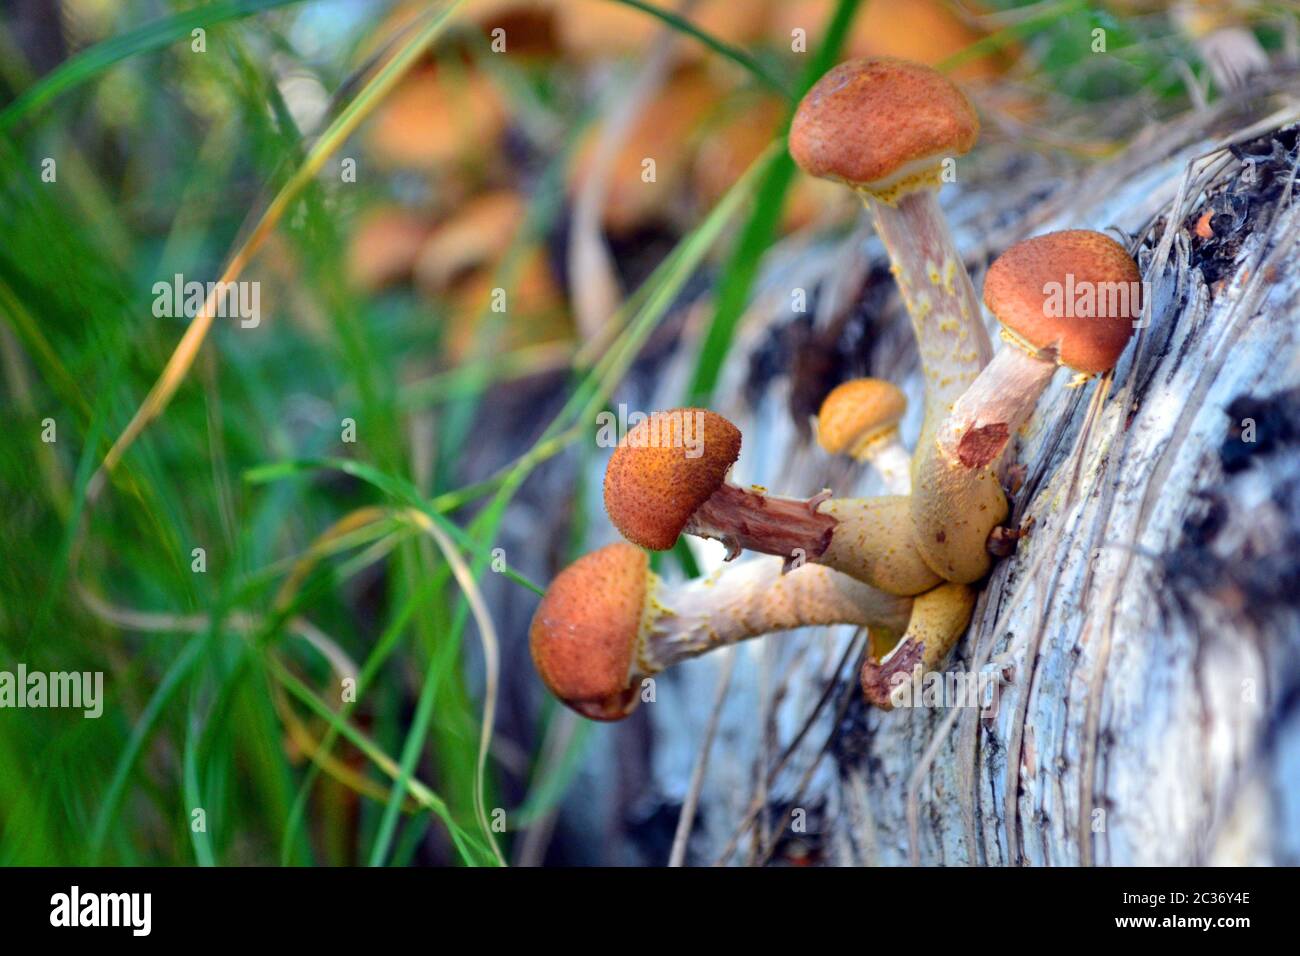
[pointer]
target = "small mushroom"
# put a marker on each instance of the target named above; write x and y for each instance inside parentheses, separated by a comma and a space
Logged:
(669, 476)
(607, 621)
(939, 619)
(885, 128)
(1065, 298)
(860, 418)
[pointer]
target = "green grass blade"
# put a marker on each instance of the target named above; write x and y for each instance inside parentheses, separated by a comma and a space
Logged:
(162, 695)
(155, 35)
(740, 57)
(192, 789)
(760, 231)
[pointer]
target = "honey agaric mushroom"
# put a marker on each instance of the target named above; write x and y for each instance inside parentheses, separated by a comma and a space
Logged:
(607, 622)
(668, 476)
(1066, 298)
(939, 619)
(885, 127)
(860, 418)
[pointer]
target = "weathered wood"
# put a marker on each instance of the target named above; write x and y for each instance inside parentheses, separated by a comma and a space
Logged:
(1149, 705)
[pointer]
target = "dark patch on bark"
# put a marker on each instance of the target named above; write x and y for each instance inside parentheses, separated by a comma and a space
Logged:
(1259, 426)
(650, 826)
(1269, 164)
(1241, 551)
(817, 359)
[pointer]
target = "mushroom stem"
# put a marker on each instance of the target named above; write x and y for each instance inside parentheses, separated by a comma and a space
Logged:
(982, 421)
(607, 622)
(959, 498)
(657, 491)
(873, 542)
(954, 509)
(756, 597)
(954, 348)
(741, 518)
(939, 619)
(1067, 298)
(892, 462)
(946, 319)
(866, 538)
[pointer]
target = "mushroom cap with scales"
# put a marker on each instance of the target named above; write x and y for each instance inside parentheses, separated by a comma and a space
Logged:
(585, 633)
(859, 412)
(880, 123)
(1019, 288)
(660, 475)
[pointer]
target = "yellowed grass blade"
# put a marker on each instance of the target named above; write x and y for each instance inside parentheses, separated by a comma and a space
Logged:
(182, 358)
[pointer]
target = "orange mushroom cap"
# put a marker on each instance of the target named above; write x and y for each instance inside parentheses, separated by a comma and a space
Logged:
(584, 635)
(664, 469)
(872, 121)
(857, 412)
(1029, 286)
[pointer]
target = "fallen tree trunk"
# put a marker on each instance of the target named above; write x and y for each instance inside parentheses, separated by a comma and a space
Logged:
(1143, 641)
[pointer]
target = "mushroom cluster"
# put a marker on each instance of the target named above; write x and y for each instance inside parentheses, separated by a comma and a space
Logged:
(902, 564)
